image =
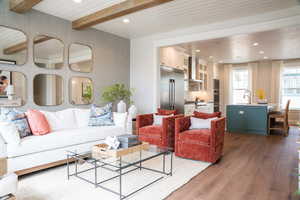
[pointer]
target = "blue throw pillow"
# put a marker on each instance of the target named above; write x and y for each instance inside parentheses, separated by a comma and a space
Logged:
(101, 116)
(18, 118)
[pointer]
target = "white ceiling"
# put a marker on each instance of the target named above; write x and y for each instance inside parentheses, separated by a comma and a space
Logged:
(276, 44)
(166, 17)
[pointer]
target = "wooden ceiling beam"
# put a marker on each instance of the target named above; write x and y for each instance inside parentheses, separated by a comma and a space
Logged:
(23, 45)
(22, 6)
(115, 11)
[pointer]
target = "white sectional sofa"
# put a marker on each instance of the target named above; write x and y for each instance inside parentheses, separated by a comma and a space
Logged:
(72, 133)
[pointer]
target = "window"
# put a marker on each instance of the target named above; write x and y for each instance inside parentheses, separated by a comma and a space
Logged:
(240, 85)
(291, 86)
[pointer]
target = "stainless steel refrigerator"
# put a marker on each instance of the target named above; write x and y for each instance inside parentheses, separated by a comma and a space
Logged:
(172, 89)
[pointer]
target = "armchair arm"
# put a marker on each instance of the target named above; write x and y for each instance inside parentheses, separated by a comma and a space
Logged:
(168, 124)
(182, 124)
(217, 131)
(143, 120)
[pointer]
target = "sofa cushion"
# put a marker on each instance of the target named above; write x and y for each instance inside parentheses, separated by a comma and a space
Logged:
(82, 117)
(62, 138)
(195, 136)
(64, 119)
(120, 119)
(18, 118)
(38, 123)
(153, 130)
(10, 133)
(202, 115)
(101, 116)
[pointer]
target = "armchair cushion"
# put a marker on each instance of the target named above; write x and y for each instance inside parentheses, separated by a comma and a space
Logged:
(198, 123)
(152, 130)
(158, 119)
(201, 136)
(166, 112)
(202, 115)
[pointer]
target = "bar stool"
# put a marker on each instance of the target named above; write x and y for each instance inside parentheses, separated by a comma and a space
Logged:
(283, 124)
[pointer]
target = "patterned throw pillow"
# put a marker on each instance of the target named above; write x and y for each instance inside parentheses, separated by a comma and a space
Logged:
(18, 118)
(101, 116)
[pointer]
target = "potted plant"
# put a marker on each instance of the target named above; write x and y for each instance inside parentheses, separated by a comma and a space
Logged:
(118, 93)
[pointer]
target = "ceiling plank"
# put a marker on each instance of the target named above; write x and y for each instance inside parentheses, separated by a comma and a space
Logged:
(22, 6)
(23, 45)
(115, 11)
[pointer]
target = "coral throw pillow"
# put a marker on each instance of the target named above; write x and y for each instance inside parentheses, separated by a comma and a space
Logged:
(38, 122)
(166, 112)
(202, 115)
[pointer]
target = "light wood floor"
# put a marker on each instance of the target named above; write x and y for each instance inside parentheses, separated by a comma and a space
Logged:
(253, 168)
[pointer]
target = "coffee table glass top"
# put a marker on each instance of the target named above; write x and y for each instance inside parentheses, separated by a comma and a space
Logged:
(123, 161)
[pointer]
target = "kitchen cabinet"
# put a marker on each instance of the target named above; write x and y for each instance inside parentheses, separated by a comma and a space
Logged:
(190, 108)
(252, 119)
(171, 57)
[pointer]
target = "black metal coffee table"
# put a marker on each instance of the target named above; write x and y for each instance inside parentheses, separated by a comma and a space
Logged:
(119, 167)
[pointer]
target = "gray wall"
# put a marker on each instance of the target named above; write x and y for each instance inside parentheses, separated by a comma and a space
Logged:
(111, 53)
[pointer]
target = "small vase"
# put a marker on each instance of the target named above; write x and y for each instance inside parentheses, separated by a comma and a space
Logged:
(121, 107)
(132, 111)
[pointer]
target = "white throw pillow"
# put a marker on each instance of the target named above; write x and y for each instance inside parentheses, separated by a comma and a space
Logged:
(64, 119)
(82, 117)
(197, 123)
(158, 119)
(120, 119)
(10, 133)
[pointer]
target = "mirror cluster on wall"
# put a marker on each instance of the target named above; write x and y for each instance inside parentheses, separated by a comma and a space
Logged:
(13, 86)
(81, 90)
(80, 58)
(48, 53)
(48, 90)
(13, 46)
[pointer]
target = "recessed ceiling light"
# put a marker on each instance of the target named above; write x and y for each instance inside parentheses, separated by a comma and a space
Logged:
(266, 57)
(77, 1)
(255, 44)
(197, 50)
(126, 21)
(261, 52)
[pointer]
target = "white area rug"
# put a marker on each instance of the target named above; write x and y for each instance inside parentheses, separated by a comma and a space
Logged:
(52, 184)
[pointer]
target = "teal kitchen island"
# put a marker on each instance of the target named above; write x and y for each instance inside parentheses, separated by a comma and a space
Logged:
(248, 118)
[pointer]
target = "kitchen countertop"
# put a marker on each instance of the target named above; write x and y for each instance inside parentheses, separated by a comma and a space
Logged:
(270, 106)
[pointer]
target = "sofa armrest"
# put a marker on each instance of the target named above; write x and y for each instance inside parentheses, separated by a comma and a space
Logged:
(3, 147)
(217, 131)
(182, 124)
(144, 120)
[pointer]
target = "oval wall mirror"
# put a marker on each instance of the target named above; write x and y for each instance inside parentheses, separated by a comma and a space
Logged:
(48, 52)
(48, 89)
(13, 46)
(81, 90)
(80, 57)
(13, 88)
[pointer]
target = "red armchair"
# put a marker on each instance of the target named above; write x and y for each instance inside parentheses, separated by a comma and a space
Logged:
(162, 136)
(199, 144)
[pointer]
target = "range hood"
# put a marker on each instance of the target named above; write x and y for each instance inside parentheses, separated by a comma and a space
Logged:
(193, 69)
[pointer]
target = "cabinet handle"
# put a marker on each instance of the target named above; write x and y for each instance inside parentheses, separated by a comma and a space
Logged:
(241, 112)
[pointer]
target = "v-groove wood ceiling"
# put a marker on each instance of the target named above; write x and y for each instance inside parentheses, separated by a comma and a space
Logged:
(166, 17)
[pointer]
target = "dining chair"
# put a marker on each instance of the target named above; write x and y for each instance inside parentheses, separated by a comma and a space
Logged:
(279, 120)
